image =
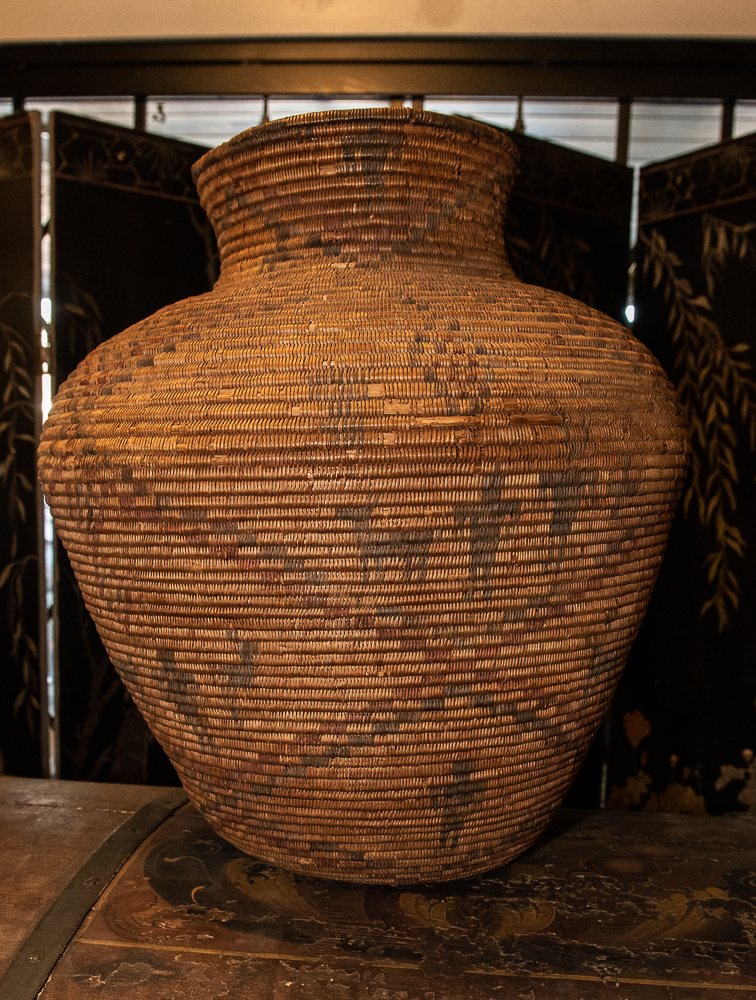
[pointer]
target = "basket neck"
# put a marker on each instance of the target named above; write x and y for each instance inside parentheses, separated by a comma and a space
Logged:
(378, 186)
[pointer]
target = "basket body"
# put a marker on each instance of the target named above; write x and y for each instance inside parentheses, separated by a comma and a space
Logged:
(369, 529)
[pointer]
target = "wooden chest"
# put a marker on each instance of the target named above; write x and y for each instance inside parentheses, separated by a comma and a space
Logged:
(147, 902)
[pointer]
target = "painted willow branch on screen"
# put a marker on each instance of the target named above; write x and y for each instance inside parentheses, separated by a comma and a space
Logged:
(717, 390)
(16, 496)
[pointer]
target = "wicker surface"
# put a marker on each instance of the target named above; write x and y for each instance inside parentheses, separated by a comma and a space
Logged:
(369, 529)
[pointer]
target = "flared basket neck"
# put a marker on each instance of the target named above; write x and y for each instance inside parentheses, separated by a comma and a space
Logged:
(366, 186)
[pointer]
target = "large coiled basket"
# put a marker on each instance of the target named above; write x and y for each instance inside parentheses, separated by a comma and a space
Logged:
(368, 530)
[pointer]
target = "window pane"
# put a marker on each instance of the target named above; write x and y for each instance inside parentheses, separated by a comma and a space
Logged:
(745, 118)
(285, 107)
(496, 111)
(213, 120)
(590, 126)
(114, 110)
(661, 130)
(208, 121)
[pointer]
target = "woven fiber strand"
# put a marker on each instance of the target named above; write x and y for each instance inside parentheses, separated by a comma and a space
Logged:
(369, 529)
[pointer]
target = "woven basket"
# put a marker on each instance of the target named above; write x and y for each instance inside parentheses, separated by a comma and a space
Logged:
(368, 530)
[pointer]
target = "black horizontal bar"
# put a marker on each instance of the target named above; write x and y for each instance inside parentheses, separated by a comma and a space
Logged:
(558, 67)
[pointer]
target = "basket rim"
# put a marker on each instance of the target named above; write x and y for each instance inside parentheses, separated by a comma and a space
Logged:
(281, 128)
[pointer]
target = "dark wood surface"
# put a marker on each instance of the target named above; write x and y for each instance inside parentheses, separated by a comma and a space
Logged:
(621, 905)
(48, 829)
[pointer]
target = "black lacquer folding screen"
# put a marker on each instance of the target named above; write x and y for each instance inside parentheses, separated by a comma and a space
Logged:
(21, 693)
(686, 710)
(129, 237)
(568, 223)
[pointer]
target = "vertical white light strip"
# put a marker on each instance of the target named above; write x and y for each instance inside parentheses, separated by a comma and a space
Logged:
(636, 205)
(51, 672)
(630, 306)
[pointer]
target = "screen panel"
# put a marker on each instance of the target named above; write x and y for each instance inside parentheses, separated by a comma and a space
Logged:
(129, 237)
(22, 694)
(686, 708)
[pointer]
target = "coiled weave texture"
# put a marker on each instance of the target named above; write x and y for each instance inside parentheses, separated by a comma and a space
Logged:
(369, 529)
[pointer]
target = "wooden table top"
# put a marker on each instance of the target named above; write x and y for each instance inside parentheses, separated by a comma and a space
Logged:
(622, 905)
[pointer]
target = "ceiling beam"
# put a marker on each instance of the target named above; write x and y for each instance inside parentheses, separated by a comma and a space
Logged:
(546, 67)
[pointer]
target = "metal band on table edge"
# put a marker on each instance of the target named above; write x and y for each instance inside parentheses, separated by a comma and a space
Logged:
(38, 955)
